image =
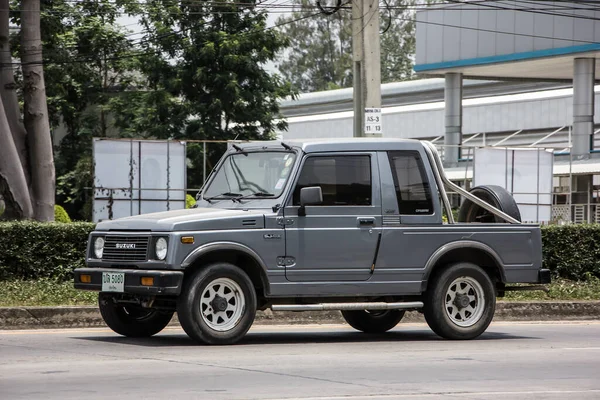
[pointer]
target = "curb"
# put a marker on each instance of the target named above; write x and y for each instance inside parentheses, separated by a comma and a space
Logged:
(89, 316)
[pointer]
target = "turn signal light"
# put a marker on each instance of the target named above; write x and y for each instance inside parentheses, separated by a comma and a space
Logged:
(147, 281)
(187, 239)
(85, 278)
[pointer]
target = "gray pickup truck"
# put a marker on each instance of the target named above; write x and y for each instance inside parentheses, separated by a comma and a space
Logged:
(358, 225)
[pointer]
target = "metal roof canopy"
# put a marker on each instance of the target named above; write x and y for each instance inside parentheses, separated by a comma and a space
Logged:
(506, 40)
(560, 168)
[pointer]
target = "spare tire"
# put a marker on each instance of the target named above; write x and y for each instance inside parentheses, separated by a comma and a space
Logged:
(496, 196)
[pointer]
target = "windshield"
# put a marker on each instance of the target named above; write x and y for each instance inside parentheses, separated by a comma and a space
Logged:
(252, 173)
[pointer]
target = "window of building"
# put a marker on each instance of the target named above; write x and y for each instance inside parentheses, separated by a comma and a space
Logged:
(344, 180)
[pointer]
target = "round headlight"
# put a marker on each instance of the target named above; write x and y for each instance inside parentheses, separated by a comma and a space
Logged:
(161, 248)
(98, 247)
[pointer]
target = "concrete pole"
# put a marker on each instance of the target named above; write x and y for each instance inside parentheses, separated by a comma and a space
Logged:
(583, 106)
(453, 123)
(367, 61)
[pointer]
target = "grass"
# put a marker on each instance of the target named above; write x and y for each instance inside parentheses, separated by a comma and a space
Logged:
(49, 292)
(44, 292)
(561, 289)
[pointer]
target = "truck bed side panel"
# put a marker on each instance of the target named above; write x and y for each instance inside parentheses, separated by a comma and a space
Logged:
(406, 252)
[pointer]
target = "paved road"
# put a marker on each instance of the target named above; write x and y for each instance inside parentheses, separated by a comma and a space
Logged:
(510, 361)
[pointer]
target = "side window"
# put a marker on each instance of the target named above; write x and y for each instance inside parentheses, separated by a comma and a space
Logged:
(412, 187)
(344, 180)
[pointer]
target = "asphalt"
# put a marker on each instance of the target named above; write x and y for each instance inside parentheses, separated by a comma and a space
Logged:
(510, 361)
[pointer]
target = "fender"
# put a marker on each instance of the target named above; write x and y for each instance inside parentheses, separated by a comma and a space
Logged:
(462, 244)
(215, 246)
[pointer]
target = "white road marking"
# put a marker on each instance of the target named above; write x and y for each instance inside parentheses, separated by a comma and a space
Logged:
(445, 394)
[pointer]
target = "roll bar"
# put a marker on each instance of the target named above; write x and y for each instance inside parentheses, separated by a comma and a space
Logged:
(441, 179)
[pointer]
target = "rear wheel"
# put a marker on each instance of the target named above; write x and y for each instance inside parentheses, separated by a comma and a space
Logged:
(460, 302)
(496, 196)
(217, 304)
(373, 321)
(132, 320)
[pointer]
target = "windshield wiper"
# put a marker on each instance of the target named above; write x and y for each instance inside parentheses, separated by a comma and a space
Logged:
(231, 195)
(257, 194)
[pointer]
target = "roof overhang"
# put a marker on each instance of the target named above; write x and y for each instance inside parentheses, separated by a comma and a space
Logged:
(548, 64)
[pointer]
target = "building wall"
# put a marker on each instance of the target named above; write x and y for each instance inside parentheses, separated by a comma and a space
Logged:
(541, 110)
(488, 29)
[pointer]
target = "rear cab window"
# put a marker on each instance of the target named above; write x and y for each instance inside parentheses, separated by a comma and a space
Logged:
(413, 191)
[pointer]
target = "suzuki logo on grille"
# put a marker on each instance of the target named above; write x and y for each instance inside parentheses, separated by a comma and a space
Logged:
(125, 245)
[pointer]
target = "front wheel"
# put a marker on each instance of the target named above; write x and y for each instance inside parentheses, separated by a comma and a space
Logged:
(217, 304)
(373, 321)
(132, 320)
(460, 302)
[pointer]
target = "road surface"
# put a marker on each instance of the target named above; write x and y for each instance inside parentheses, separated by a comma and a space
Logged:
(510, 361)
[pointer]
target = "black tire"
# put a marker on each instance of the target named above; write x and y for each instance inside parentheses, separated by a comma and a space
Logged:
(191, 305)
(497, 196)
(467, 325)
(373, 321)
(132, 320)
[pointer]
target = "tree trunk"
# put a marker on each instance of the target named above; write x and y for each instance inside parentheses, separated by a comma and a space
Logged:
(13, 185)
(36, 113)
(8, 89)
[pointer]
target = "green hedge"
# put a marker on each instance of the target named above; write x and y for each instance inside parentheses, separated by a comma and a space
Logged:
(31, 250)
(572, 251)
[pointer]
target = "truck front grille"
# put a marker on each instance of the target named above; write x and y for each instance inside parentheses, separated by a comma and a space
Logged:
(125, 248)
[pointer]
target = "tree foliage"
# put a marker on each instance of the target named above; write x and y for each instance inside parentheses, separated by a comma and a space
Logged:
(206, 77)
(320, 52)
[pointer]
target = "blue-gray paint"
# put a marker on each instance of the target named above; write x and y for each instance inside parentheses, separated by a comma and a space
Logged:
(331, 252)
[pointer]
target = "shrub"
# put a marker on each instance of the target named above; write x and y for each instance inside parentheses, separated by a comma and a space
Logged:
(60, 215)
(189, 201)
(32, 250)
(572, 251)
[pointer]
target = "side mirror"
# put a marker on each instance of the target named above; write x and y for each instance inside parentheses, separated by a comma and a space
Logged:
(309, 196)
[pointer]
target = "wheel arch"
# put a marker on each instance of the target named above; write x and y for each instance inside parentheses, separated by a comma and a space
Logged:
(469, 251)
(237, 254)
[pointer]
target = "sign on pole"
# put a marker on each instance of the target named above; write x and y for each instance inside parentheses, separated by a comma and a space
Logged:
(373, 122)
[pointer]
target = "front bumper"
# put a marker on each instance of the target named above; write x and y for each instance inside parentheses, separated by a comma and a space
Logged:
(166, 283)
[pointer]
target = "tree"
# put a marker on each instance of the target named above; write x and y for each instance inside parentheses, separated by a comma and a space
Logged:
(320, 52)
(39, 142)
(27, 166)
(205, 65)
(89, 59)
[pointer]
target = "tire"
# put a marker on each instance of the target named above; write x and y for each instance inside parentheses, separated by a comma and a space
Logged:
(373, 321)
(218, 285)
(467, 320)
(497, 196)
(131, 320)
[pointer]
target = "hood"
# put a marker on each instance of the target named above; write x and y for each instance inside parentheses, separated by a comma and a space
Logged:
(194, 219)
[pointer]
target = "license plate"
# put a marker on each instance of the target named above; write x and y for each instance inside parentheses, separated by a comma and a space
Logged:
(113, 282)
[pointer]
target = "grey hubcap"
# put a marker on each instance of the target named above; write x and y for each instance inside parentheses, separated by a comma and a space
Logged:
(222, 304)
(465, 301)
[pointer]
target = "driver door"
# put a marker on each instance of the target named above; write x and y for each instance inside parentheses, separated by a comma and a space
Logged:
(336, 240)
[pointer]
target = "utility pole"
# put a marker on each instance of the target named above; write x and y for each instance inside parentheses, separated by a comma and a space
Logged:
(367, 68)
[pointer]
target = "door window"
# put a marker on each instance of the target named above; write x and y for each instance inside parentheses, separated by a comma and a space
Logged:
(344, 180)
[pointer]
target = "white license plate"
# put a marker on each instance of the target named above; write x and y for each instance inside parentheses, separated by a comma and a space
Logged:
(113, 282)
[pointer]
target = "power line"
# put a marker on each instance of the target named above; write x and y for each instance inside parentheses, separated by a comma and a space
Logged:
(157, 51)
(488, 30)
(527, 10)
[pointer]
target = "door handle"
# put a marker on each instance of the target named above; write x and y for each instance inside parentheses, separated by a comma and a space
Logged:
(362, 221)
